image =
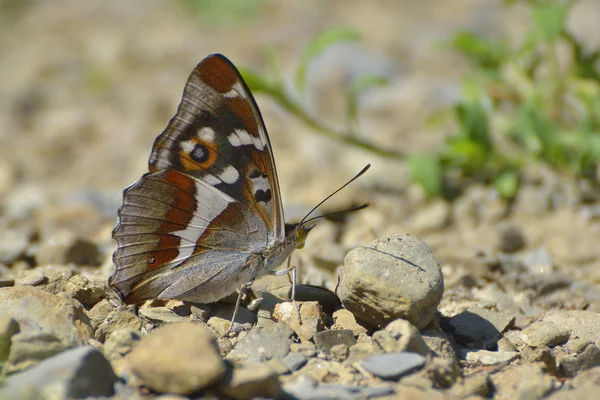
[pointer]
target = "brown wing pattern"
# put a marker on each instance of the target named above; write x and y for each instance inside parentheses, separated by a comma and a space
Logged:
(218, 135)
(189, 228)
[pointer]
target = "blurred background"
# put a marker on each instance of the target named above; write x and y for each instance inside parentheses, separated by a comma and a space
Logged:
(477, 115)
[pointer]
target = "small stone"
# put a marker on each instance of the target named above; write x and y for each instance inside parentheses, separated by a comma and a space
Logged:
(179, 358)
(473, 385)
(306, 349)
(511, 239)
(364, 348)
(6, 281)
(87, 292)
(393, 366)
(117, 319)
(393, 277)
(294, 361)
(221, 319)
(310, 312)
(252, 381)
(77, 373)
(159, 315)
(262, 344)
(34, 346)
(99, 312)
(305, 388)
(344, 319)
(305, 293)
(408, 338)
(325, 340)
(576, 345)
(443, 372)
(64, 247)
(120, 343)
(571, 365)
(30, 278)
(37, 310)
(514, 337)
(581, 393)
(277, 365)
(386, 341)
(581, 324)
(511, 383)
(328, 371)
(485, 357)
(339, 352)
(8, 328)
(438, 342)
(53, 278)
(505, 345)
(201, 311)
(13, 245)
(541, 355)
(542, 333)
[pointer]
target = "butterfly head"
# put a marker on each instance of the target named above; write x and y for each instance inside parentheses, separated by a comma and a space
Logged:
(298, 233)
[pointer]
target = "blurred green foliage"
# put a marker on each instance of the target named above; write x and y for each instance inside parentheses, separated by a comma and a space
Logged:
(536, 101)
(272, 84)
(533, 102)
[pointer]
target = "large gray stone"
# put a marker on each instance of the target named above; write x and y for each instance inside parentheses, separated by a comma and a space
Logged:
(392, 366)
(180, 358)
(393, 277)
(73, 374)
(262, 344)
(36, 310)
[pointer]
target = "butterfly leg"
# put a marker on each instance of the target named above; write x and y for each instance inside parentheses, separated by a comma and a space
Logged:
(243, 289)
(293, 294)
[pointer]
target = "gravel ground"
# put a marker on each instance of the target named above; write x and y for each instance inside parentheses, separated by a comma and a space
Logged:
(410, 298)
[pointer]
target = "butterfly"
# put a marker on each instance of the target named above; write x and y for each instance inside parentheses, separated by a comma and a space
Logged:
(207, 219)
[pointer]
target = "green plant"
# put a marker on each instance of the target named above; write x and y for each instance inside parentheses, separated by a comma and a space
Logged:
(273, 86)
(522, 105)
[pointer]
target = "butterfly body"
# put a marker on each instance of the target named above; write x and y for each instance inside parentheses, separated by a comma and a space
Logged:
(207, 218)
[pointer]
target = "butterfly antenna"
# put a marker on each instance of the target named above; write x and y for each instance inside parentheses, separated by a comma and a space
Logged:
(357, 208)
(332, 194)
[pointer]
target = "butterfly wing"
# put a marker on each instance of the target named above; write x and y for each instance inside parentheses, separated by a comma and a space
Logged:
(218, 135)
(190, 229)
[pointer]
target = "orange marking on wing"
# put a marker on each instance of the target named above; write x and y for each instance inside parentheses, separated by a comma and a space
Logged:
(181, 214)
(217, 73)
(189, 164)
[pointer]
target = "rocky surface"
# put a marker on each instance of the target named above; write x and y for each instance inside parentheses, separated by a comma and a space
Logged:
(482, 299)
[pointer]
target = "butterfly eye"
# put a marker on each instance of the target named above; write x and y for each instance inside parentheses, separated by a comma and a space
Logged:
(300, 237)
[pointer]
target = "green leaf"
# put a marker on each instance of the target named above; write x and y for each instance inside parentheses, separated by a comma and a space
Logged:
(507, 184)
(482, 51)
(549, 18)
(426, 170)
(466, 153)
(533, 124)
(357, 86)
(317, 46)
(474, 124)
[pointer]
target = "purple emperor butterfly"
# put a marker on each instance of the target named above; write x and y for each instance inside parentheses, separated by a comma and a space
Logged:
(207, 219)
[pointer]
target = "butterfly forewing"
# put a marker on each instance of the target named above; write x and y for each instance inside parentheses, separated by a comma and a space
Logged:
(191, 228)
(218, 135)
